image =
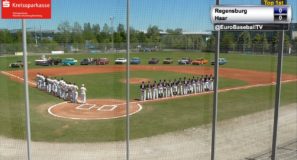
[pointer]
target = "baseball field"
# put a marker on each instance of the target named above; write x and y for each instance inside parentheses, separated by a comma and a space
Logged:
(246, 87)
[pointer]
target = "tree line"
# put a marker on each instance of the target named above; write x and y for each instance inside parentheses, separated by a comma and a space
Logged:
(92, 35)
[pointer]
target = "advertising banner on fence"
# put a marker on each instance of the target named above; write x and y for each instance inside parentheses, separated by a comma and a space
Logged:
(26, 9)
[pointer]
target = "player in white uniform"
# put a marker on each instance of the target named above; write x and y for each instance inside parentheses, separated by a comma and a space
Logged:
(170, 89)
(83, 94)
(149, 90)
(38, 80)
(155, 90)
(194, 84)
(75, 91)
(49, 85)
(55, 87)
(211, 82)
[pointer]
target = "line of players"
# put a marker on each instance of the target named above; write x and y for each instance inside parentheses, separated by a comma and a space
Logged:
(163, 89)
(59, 88)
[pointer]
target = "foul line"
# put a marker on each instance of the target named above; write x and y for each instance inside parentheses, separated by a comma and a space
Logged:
(17, 77)
(51, 113)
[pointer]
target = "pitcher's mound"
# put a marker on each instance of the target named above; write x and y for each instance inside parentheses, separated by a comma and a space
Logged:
(94, 109)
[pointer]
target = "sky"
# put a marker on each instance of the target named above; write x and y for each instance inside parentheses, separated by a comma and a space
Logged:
(190, 15)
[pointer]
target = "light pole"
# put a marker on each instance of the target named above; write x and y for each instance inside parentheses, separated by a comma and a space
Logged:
(112, 30)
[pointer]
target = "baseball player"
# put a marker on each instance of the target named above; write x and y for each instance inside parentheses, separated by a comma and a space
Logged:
(149, 90)
(169, 89)
(206, 83)
(189, 86)
(83, 94)
(185, 86)
(142, 91)
(180, 87)
(55, 87)
(175, 89)
(75, 93)
(49, 85)
(194, 88)
(199, 85)
(37, 80)
(211, 82)
(155, 90)
(67, 91)
(160, 89)
(164, 85)
(42, 82)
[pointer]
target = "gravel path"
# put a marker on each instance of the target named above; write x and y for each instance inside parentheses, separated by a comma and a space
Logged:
(236, 139)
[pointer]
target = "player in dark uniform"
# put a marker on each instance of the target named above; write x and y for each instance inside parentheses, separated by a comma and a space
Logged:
(142, 91)
(160, 89)
(175, 88)
(189, 86)
(185, 89)
(164, 83)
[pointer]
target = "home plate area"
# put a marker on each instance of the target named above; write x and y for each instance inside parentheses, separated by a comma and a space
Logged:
(94, 109)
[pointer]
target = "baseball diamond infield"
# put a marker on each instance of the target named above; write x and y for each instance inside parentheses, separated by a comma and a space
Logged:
(96, 109)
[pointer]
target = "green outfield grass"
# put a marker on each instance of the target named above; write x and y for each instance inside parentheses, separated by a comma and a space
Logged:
(241, 61)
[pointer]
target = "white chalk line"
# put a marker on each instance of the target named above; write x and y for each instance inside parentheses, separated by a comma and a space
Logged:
(74, 118)
(109, 108)
(81, 106)
(17, 77)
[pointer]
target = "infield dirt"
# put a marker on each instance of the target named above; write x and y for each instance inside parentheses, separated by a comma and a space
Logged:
(249, 76)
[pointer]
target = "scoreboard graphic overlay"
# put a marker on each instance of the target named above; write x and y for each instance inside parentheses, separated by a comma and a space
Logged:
(225, 17)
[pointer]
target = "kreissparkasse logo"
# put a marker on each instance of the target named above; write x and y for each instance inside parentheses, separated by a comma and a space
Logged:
(6, 4)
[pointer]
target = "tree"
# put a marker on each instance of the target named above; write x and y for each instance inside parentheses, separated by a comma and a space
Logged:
(88, 33)
(257, 43)
(142, 37)
(265, 44)
(104, 36)
(5, 37)
(106, 29)
(64, 34)
(96, 29)
(210, 43)
(177, 31)
(77, 36)
(133, 35)
(153, 34)
(227, 41)
(199, 42)
(121, 33)
(245, 40)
